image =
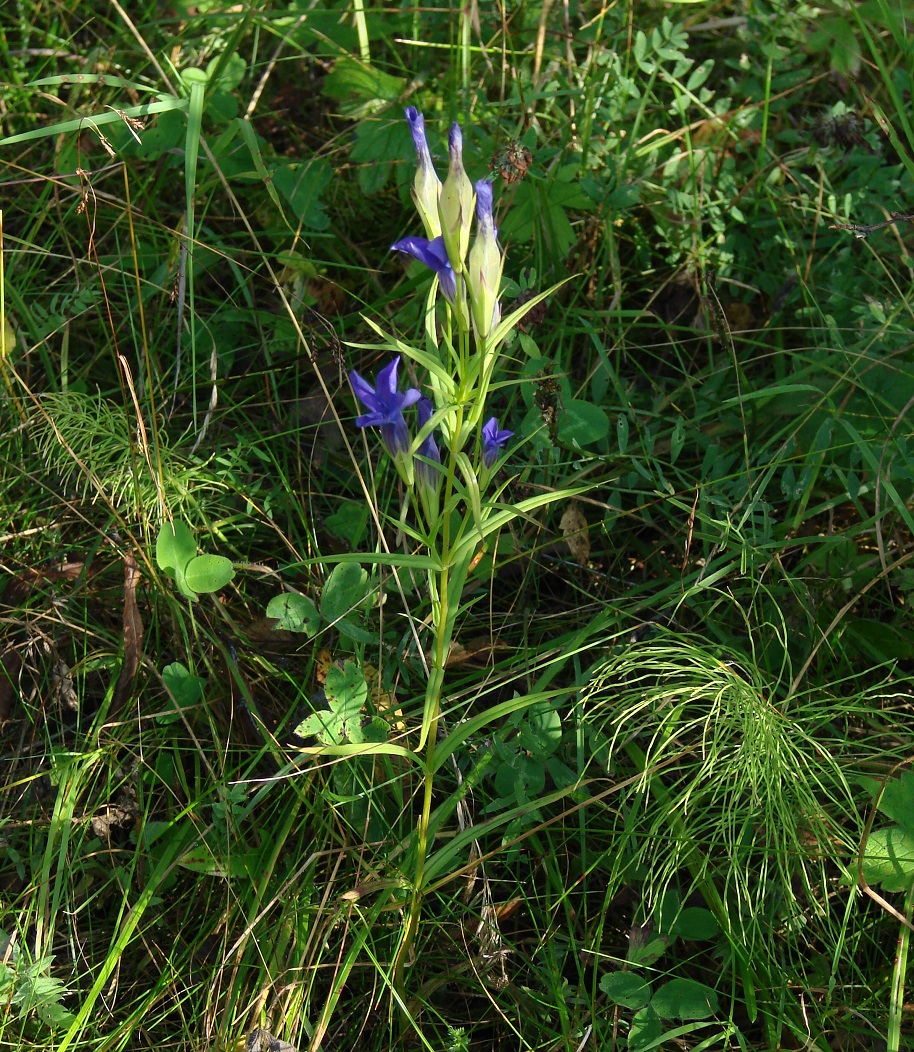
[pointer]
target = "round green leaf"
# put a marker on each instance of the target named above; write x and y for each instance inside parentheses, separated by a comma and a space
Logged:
(211, 859)
(294, 613)
(194, 75)
(183, 586)
(645, 945)
(684, 999)
(344, 589)
(346, 692)
(184, 686)
(889, 858)
(523, 779)
(351, 631)
(325, 726)
(897, 801)
(541, 731)
(346, 689)
(695, 922)
(581, 423)
(626, 989)
(349, 522)
(233, 71)
(303, 185)
(175, 547)
(667, 911)
(208, 573)
(646, 1030)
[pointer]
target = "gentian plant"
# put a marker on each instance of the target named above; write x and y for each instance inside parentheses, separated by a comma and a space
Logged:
(446, 450)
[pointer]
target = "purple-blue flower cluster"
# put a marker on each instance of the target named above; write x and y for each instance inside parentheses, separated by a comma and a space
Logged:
(385, 405)
(468, 277)
(446, 210)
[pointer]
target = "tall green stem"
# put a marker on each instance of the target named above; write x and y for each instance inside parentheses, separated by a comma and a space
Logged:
(896, 1004)
(447, 585)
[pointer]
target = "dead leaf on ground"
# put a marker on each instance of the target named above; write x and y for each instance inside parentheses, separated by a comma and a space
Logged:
(481, 649)
(112, 818)
(574, 530)
(62, 684)
(133, 635)
(263, 1041)
(19, 586)
(263, 632)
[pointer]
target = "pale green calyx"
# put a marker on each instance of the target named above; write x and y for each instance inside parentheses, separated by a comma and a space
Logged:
(426, 184)
(455, 203)
(484, 265)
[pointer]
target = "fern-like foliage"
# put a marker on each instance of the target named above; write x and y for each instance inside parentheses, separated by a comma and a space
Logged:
(29, 986)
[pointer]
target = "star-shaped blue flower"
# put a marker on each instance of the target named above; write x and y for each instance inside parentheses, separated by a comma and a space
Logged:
(385, 404)
(493, 438)
(434, 255)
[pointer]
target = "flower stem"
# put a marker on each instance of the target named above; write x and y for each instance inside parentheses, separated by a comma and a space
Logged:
(447, 585)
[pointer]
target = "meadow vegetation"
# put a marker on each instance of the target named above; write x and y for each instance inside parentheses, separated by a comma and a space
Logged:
(604, 740)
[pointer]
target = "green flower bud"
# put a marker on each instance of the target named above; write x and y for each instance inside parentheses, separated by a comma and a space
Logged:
(484, 265)
(455, 203)
(426, 184)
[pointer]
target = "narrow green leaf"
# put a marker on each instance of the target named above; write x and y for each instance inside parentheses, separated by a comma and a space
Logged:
(97, 119)
(252, 140)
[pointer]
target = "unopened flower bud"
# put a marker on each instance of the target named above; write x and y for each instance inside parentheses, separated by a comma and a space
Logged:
(426, 184)
(428, 467)
(455, 203)
(484, 265)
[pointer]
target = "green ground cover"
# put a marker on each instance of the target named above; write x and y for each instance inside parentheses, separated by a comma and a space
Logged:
(606, 745)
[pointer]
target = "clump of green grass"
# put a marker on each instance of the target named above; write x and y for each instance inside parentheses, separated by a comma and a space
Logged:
(738, 799)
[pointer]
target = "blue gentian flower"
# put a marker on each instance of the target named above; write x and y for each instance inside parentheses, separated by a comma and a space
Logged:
(427, 474)
(492, 440)
(385, 404)
(434, 255)
(426, 184)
